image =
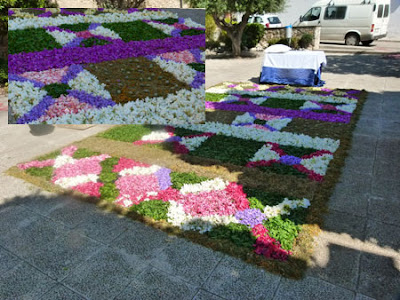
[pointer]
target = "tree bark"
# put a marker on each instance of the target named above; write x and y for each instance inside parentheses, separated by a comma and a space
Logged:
(234, 31)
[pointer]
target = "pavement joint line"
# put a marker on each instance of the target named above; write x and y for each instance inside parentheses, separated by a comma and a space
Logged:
(277, 287)
(22, 260)
(359, 259)
(69, 288)
(130, 282)
(209, 275)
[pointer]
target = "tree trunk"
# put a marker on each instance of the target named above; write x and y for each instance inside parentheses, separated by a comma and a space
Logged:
(236, 42)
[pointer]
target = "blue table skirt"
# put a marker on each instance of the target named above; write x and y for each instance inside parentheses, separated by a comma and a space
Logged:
(305, 77)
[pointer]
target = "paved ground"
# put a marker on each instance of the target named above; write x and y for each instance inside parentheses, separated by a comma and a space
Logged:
(53, 247)
(379, 46)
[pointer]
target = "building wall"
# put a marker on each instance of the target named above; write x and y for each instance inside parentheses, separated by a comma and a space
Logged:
(295, 8)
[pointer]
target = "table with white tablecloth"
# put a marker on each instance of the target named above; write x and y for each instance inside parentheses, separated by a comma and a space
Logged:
(293, 67)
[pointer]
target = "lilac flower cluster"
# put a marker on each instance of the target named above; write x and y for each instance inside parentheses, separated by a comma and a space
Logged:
(250, 217)
(198, 80)
(74, 43)
(93, 26)
(56, 28)
(10, 12)
(197, 55)
(132, 10)
(46, 14)
(58, 58)
(335, 118)
(72, 72)
(164, 179)
(289, 160)
(71, 13)
(95, 101)
(37, 111)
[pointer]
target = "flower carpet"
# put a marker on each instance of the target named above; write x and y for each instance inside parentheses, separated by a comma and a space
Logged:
(105, 66)
(248, 183)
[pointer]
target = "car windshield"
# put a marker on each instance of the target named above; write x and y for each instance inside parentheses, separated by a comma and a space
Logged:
(274, 20)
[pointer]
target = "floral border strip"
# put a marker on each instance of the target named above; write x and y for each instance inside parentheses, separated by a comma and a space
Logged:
(44, 60)
(121, 16)
(283, 138)
(280, 111)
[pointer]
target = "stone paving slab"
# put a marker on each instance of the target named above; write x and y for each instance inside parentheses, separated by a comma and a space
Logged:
(7, 261)
(234, 279)
(58, 258)
(142, 241)
(341, 269)
(311, 288)
(154, 284)
(386, 210)
(61, 292)
(379, 278)
(105, 275)
(24, 282)
(187, 261)
(205, 295)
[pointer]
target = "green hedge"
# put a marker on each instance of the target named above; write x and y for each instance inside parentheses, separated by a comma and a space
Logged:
(252, 34)
(3, 71)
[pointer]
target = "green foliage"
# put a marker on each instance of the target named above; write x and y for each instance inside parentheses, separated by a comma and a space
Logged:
(156, 209)
(283, 230)
(224, 39)
(297, 151)
(210, 44)
(50, 155)
(169, 21)
(45, 172)
(126, 133)
(183, 132)
(239, 234)
(83, 152)
(179, 179)
(3, 71)
(252, 34)
(55, 90)
(191, 32)
(198, 67)
(228, 149)
(265, 198)
(108, 177)
(260, 122)
(282, 169)
(210, 27)
(135, 31)
(306, 40)
(75, 27)
(215, 97)
(283, 103)
(30, 40)
(90, 42)
(255, 203)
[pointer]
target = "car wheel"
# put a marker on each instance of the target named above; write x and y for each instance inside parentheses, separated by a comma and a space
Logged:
(352, 39)
(367, 43)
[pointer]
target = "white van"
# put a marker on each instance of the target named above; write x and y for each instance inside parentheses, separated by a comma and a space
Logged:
(353, 21)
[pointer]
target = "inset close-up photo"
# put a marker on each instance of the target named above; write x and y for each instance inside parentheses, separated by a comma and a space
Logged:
(105, 66)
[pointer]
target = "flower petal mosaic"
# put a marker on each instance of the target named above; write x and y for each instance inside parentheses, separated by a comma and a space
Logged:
(113, 66)
(252, 181)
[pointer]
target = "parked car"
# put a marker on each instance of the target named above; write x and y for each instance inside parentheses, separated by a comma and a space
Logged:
(353, 21)
(270, 21)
